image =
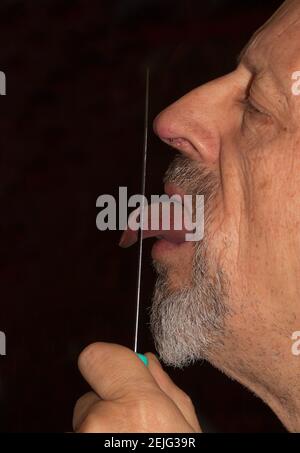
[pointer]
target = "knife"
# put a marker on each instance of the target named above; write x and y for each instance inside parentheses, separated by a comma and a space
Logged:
(140, 232)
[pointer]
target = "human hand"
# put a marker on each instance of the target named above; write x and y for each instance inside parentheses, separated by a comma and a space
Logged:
(129, 397)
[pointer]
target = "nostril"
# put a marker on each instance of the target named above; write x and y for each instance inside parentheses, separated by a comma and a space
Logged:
(183, 145)
(176, 141)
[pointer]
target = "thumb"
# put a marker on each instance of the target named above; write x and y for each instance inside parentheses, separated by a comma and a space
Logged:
(179, 397)
(114, 371)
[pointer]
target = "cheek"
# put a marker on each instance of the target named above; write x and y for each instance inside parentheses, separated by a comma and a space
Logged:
(222, 241)
(273, 195)
(258, 130)
(269, 175)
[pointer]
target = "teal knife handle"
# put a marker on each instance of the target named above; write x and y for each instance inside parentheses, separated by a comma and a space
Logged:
(143, 358)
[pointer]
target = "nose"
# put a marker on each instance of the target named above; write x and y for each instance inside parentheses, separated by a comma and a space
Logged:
(194, 124)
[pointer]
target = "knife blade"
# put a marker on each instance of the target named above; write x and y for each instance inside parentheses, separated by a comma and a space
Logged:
(140, 232)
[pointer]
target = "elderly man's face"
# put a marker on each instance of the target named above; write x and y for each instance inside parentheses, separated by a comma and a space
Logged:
(240, 138)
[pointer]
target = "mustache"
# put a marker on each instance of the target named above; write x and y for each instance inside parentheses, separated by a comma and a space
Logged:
(193, 177)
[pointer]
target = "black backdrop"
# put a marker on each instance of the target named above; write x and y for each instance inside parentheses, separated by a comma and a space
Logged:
(72, 129)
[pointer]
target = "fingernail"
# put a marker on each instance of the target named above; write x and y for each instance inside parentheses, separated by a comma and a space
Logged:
(143, 358)
(154, 357)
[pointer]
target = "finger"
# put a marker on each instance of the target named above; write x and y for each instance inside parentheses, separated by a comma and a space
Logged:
(83, 407)
(180, 398)
(114, 371)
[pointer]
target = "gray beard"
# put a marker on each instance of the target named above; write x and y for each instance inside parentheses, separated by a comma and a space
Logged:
(188, 324)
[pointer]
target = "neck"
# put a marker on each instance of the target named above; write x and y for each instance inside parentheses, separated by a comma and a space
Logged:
(271, 374)
(283, 395)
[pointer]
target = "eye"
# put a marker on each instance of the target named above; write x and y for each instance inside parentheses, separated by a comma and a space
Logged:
(252, 114)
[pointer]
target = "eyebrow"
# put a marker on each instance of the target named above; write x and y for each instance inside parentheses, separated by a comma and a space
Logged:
(245, 58)
(253, 67)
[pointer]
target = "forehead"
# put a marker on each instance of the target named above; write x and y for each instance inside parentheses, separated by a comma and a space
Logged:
(277, 43)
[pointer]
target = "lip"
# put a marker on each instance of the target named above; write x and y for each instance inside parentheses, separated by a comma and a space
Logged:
(162, 246)
(171, 189)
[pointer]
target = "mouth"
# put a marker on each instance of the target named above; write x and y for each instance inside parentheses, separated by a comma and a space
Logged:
(171, 189)
(154, 216)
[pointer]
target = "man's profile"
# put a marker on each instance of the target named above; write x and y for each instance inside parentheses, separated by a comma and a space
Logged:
(232, 298)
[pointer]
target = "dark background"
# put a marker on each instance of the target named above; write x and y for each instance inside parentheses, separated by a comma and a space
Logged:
(72, 129)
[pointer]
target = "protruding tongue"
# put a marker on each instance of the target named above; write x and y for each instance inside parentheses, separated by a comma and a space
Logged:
(170, 221)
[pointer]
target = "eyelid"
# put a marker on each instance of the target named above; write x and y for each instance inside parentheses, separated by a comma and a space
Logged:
(247, 96)
(249, 103)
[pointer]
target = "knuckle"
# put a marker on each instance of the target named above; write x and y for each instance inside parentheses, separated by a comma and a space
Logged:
(85, 401)
(82, 406)
(89, 425)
